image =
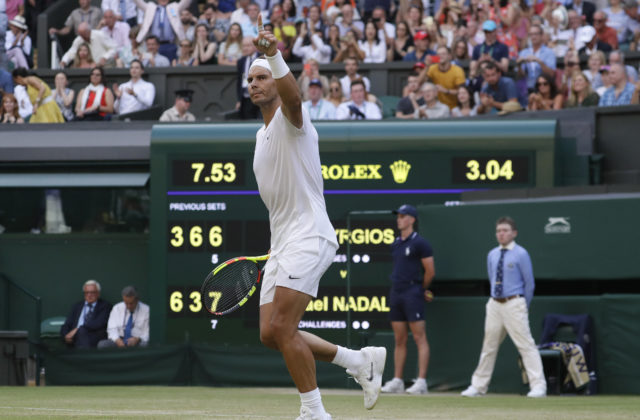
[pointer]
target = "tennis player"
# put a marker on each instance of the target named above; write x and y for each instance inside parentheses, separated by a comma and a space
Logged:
(303, 241)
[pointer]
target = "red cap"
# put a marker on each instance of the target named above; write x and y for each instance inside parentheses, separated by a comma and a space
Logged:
(421, 35)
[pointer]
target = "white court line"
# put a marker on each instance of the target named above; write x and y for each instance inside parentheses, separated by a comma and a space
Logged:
(145, 413)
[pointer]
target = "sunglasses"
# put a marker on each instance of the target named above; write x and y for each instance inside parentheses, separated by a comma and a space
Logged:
(599, 20)
(572, 63)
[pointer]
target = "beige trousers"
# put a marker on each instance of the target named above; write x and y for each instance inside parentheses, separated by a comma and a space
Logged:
(510, 317)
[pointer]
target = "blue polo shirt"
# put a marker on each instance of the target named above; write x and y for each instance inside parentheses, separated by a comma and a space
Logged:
(503, 91)
(407, 261)
(497, 51)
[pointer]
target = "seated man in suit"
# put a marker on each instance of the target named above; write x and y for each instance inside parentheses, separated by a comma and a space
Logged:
(87, 322)
(128, 323)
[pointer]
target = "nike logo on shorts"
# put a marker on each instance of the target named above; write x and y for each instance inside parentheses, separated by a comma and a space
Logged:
(293, 278)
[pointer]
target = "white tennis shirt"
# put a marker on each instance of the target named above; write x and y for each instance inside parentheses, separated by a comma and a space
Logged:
(286, 164)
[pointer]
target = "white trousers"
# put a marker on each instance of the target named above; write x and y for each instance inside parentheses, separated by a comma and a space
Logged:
(510, 317)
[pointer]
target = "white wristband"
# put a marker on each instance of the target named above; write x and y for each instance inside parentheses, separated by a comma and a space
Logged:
(279, 68)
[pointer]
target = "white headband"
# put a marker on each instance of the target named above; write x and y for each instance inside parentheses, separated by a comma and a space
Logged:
(260, 62)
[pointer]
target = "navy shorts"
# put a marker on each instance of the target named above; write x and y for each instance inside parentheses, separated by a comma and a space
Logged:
(407, 305)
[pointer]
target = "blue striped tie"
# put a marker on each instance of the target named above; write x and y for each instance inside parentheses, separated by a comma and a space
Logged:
(497, 288)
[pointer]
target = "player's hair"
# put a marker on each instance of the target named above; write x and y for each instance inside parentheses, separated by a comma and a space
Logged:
(91, 283)
(506, 220)
(130, 291)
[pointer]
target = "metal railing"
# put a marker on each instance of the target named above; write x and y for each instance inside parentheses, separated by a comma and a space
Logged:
(38, 315)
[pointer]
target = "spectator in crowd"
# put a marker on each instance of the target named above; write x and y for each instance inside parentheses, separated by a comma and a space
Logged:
(507, 312)
(95, 101)
(162, 19)
(312, 71)
(413, 271)
(460, 52)
(332, 9)
(349, 48)
(588, 38)
(618, 20)
(103, 48)
(64, 96)
(133, 50)
(216, 27)
(490, 50)
(446, 76)
(240, 15)
(633, 13)
(247, 109)
(351, 68)
(620, 91)
(179, 112)
(87, 321)
(10, 110)
(18, 43)
(617, 57)
(128, 324)
(349, 23)
(571, 63)
(188, 22)
(386, 30)
(545, 96)
(3, 32)
(606, 81)
(604, 33)
(309, 45)
(432, 108)
(6, 82)
(336, 94)
(405, 109)
(414, 20)
(284, 31)
(467, 106)
(124, 11)
(204, 52)
(86, 13)
(334, 42)
(402, 43)
(595, 62)
(584, 9)
(536, 60)
(563, 40)
(14, 8)
(421, 50)
(581, 93)
(318, 108)
(250, 28)
(288, 10)
(44, 108)
(315, 23)
(136, 94)
(358, 108)
(496, 90)
(185, 57)
(25, 107)
(231, 49)
(152, 58)
(117, 30)
(375, 48)
(83, 58)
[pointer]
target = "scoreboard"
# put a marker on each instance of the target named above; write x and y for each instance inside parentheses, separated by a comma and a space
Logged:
(206, 209)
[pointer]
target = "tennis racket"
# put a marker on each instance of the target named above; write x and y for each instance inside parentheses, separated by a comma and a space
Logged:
(231, 284)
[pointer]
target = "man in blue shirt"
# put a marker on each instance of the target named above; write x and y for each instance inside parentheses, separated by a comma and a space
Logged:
(496, 90)
(490, 50)
(621, 91)
(512, 284)
(413, 270)
(534, 61)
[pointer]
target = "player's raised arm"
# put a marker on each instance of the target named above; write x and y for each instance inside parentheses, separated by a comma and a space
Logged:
(288, 89)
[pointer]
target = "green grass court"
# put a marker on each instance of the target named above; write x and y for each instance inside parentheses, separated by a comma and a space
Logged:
(183, 403)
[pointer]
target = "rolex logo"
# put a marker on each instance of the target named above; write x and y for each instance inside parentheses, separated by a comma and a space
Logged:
(343, 273)
(400, 170)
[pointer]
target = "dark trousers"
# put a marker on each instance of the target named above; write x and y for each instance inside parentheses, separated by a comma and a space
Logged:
(86, 340)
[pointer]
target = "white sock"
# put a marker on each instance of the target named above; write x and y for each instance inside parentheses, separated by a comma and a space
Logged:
(347, 358)
(313, 401)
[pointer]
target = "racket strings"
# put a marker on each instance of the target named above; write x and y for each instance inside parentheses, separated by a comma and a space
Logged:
(229, 286)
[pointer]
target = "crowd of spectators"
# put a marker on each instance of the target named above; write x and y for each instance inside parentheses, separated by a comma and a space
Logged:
(470, 56)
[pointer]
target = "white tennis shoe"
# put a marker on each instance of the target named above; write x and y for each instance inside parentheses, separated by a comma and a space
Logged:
(419, 387)
(394, 386)
(471, 392)
(537, 393)
(306, 414)
(369, 374)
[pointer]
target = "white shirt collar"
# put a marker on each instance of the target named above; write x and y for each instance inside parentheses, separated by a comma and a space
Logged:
(509, 246)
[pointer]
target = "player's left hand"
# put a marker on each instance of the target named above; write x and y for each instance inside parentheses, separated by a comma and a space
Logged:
(266, 42)
(428, 295)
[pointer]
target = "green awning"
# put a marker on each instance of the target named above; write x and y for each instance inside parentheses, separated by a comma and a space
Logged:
(60, 180)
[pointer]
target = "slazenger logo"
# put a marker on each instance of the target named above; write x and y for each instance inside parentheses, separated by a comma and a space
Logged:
(558, 225)
(399, 171)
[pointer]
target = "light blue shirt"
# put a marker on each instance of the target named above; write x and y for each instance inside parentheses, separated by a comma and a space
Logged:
(323, 110)
(85, 310)
(161, 27)
(517, 278)
(609, 97)
(534, 70)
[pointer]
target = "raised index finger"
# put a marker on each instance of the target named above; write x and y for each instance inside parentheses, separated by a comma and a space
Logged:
(260, 26)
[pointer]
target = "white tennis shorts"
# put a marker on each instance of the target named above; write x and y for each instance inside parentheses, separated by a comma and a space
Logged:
(299, 266)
